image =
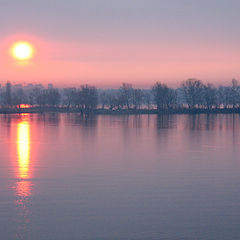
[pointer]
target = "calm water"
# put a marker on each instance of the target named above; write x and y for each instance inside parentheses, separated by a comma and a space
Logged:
(119, 177)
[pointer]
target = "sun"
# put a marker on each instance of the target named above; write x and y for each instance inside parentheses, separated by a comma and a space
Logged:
(22, 50)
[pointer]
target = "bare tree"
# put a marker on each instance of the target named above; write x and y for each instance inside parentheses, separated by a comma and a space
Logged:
(53, 97)
(137, 98)
(103, 98)
(69, 95)
(86, 99)
(125, 95)
(41, 98)
(18, 98)
(210, 96)
(6, 97)
(164, 97)
(193, 91)
(235, 95)
(148, 100)
(112, 101)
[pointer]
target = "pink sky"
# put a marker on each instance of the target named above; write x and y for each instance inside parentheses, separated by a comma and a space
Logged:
(106, 42)
(109, 63)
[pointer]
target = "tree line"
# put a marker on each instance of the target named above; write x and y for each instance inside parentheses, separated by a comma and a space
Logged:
(192, 94)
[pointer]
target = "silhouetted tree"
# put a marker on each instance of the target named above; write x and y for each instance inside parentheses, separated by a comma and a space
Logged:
(18, 98)
(41, 98)
(9, 93)
(137, 98)
(86, 99)
(103, 99)
(69, 95)
(6, 97)
(112, 101)
(210, 96)
(32, 96)
(171, 98)
(235, 95)
(125, 95)
(193, 91)
(221, 97)
(148, 100)
(164, 97)
(53, 97)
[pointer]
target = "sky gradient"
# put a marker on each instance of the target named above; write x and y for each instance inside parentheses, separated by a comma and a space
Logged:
(107, 42)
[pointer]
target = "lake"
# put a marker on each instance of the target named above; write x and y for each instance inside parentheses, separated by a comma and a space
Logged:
(148, 177)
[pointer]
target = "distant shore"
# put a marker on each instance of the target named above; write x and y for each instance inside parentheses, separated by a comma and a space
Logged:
(120, 111)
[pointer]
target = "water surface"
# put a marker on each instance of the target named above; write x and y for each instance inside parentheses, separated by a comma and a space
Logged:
(65, 177)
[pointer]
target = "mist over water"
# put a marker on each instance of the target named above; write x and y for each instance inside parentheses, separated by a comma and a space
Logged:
(64, 176)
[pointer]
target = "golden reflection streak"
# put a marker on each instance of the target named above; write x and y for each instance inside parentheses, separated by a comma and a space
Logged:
(23, 146)
(24, 185)
(23, 149)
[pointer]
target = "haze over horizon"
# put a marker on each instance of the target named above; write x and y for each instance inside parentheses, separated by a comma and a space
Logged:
(105, 43)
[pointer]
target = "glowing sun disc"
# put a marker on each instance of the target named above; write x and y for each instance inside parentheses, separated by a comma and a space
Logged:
(22, 51)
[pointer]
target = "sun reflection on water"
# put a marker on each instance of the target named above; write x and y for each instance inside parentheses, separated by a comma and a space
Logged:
(23, 185)
(23, 148)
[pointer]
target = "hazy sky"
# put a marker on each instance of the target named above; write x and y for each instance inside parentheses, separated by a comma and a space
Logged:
(106, 42)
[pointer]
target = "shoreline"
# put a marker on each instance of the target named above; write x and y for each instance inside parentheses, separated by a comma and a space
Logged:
(121, 111)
